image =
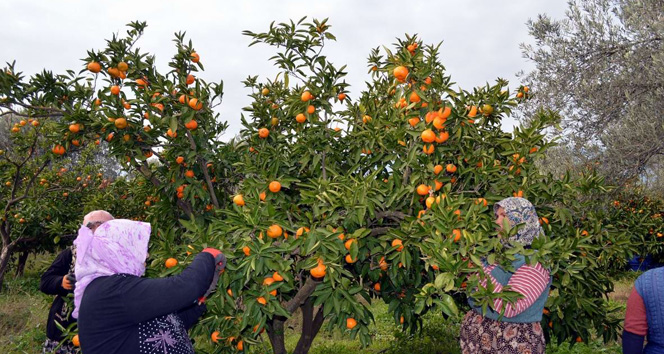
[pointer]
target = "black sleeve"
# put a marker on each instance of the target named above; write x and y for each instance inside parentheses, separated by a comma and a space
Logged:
(51, 280)
(146, 298)
(190, 315)
(632, 343)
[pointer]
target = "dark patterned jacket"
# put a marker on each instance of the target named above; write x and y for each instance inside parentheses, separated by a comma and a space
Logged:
(127, 314)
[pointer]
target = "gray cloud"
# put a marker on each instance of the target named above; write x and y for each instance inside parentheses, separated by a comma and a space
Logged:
(481, 37)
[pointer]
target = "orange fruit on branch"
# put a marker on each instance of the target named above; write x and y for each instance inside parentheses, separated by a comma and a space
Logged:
(300, 118)
(450, 168)
(94, 67)
(122, 66)
(171, 262)
(277, 277)
(301, 232)
(274, 186)
(120, 123)
(429, 202)
(383, 264)
(263, 133)
(115, 90)
(274, 231)
(191, 125)
(473, 112)
(58, 150)
(439, 123)
(351, 323)
(195, 104)
(437, 169)
(246, 250)
(456, 234)
(114, 72)
(442, 137)
(428, 136)
(487, 110)
(238, 200)
(76, 341)
(397, 242)
(422, 189)
(189, 174)
(306, 96)
(319, 271)
(195, 57)
(400, 73)
(349, 243)
(190, 79)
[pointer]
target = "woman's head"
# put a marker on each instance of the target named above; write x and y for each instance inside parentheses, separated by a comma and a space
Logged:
(116, 247)
(517, 211)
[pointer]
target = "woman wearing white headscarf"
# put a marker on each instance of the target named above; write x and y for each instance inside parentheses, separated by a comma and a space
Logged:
(511, 328)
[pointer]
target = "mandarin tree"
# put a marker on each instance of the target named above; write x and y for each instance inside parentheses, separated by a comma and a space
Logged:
(42, 191)
(368, 172)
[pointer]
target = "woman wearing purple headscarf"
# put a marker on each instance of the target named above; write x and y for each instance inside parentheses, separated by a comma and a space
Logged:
(120, 312)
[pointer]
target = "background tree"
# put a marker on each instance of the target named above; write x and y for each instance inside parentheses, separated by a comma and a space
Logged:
(602, 68)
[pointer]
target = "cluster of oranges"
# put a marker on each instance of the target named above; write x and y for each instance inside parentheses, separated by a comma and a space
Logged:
(17, 126)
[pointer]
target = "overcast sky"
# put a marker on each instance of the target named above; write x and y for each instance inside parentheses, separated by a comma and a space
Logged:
(480, 37)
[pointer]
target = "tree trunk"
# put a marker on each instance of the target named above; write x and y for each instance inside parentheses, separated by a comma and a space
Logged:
(5, 253)
(275, 331)
(275, 327)
(310, 327)
(20, 266)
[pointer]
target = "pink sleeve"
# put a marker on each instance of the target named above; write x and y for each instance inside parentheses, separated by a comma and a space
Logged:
(529, 281)
(497, 287)
(635, 318)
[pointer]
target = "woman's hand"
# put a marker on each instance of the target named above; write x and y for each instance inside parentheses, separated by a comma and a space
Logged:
(68, 282)
(220, 265)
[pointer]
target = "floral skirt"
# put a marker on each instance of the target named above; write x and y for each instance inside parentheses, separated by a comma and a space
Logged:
(486, 336)
(54, 347)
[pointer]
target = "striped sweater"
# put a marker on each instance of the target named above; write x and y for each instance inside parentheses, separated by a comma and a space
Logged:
(529, 281)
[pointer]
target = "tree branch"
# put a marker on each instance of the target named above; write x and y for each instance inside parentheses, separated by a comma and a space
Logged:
(394, 215)
(302, 295)
(203, 165)
(380, 231)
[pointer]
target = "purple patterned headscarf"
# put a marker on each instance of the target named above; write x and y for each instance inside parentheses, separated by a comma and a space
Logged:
(118, 246)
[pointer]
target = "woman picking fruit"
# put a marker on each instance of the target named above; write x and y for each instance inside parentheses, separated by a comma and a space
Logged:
(518, 329)
(118, 311)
